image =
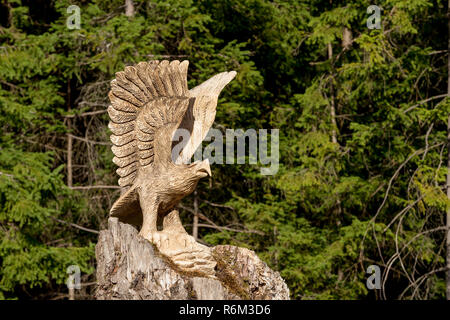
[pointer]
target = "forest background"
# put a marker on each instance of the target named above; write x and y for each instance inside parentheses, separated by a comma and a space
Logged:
(362, 115)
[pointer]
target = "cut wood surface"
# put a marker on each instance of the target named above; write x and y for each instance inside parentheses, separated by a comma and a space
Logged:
(129, 267)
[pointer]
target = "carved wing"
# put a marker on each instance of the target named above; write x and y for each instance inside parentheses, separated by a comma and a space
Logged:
(200, 115)
(148, 102)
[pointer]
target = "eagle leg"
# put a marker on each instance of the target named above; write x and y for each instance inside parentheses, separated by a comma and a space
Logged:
(173, 223)
(149, 216)
(175, 243)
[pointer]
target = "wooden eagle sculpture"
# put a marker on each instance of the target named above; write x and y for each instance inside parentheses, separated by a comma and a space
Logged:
(149, 102)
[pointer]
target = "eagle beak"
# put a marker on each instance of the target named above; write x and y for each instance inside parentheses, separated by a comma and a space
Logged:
(204, 168)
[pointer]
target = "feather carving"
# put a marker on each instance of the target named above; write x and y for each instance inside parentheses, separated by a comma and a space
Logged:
(144, 99)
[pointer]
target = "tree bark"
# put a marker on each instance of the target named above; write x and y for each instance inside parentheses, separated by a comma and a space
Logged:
(69, 161)
(195, 223)
(346, 38)
(69, 141)
(332, 106)
(69, 158)
(129, 8)
(131, 268)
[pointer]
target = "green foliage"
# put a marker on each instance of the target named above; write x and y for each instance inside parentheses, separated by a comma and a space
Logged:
(333, 208)
(31, 194)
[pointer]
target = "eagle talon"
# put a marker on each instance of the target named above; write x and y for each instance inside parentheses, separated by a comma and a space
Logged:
(184, 251)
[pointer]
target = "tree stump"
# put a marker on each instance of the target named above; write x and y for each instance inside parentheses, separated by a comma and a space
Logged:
(131, 268)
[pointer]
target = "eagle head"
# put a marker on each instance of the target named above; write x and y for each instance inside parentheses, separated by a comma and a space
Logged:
(200, 169)
(192, 173)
